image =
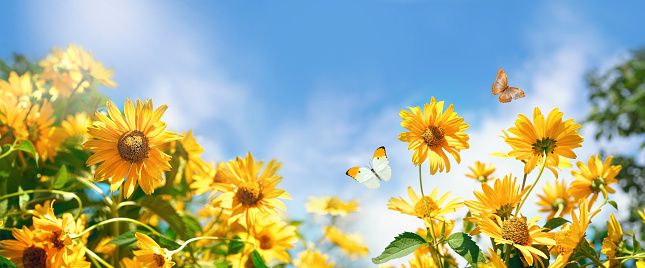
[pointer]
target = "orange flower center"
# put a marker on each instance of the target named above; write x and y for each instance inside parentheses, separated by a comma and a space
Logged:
(159, 260)
(420, 207)
(334, 203)
(34, 257)
(433, 136)
(133, 146)
(516, 230)
(55, 240)
(249, 193)
(266, 242)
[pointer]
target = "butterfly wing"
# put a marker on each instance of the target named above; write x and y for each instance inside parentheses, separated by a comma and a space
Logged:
(511, 93)
(380, 164)
(364, 176)
(501, 82)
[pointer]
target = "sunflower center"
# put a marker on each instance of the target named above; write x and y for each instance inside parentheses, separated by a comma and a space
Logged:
(546, 144)
(482, 178)
(559, 240)
(516, 230)
(433, 136)
(133, 146)
(63, 66)
(334, 203)
(159, 260)
(557, 203)
(34, 257)
(34, 131)
(420, 208)
(596, 183)
(249, 193)
(266, 242)
(55, 240)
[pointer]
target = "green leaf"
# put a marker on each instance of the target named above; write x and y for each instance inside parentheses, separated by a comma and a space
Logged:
(126, 239)
(554, 223)
(192, 223)
(60, 178)
(257, 260)
(166, 211)
(584, 247)
(5, 263)
(613, 204)
(635, 243)
(28, 147)
(235, 247)
(468, 226)
(466, 247)
(403, 245)
(166, 243)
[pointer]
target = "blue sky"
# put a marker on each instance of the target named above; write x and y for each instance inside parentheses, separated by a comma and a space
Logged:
(319, 84)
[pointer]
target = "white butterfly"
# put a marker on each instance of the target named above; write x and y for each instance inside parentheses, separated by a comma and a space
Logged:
(371, 177)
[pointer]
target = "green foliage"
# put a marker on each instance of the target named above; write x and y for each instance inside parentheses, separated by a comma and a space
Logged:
(4, 263)
(554, 223)
(257, 260)
(165, 211)
(463, 245)
(403, 245)
(28, 147)
(60, 178)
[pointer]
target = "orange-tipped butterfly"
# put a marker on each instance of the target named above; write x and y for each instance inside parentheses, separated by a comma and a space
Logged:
(501, 85)
(371, 177)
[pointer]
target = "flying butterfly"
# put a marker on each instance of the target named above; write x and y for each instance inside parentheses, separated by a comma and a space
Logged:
(371, 177)
(501, 86)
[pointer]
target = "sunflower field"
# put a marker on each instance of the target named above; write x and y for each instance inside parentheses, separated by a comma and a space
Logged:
(84, 183)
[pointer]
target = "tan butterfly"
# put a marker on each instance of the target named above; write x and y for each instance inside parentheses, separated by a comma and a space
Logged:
(501, 85)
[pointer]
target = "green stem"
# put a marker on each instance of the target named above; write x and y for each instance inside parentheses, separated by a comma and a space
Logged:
(11, 149)
(605, 194)
(592, 258)
(524, 181)
(128, 203)
(526, 196)
(170, 253)
(115, 220)
(78, 199)
(507, 253)
(68, 101)
(638, 256)
(434, 240)
(560, 209)
(96, 257)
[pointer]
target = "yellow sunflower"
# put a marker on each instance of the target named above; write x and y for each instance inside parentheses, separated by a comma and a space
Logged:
(87, 65)
(77, 258)
(250, 192)
(418, 208)
(532, 139)
(12, 119)
(640, 264)
(494, 259)
(130, 263)
(312, 259)
(40, 130)
(194, 163)
(150, 254)
(431, 131)
(18, 86)
(272, 238)
(55, 233)
(128, 146)
(611, 243)
(481, 172)
(104, 247)
(420, 260)
(519, 233)
(498, 200)
(63, 73)
(77, 125)
(352, 244)
(556, 199)
(442, 248)
(593, 177)
(330, 206)
(570, 235)
(208, 176)
(642, 215)
(25, 252)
